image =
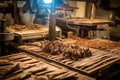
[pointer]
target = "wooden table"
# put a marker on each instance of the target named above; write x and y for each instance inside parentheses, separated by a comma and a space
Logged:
(83, 23)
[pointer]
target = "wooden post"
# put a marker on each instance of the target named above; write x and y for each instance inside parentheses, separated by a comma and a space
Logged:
(93, 10)
(52, 22)
(15, 12)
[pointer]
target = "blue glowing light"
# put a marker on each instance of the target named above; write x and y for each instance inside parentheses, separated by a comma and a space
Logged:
(47, 1)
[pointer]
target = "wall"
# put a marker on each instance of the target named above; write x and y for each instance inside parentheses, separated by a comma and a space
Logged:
(72, 4)
(81, 11)
(109, 15)
(78, 12)
(9, 19)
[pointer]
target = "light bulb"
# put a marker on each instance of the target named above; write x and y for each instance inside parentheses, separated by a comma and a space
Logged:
(47, 1)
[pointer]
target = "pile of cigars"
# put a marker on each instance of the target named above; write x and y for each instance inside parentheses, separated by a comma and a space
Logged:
(22, 66)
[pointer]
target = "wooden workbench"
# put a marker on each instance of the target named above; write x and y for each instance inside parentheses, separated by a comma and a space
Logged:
(28, 34)
(83, 24)
(101, 60)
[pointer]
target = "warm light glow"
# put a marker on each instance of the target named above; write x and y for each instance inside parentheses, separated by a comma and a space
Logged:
(47, 1)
